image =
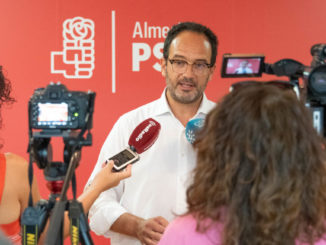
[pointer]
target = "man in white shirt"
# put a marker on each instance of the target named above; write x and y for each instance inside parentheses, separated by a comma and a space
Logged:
(139, 208)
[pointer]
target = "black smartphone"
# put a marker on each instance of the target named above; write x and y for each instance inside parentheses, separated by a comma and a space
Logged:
(123, 158)
(242, 65)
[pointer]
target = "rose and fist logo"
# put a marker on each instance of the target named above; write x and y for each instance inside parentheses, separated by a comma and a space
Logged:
(76, 60)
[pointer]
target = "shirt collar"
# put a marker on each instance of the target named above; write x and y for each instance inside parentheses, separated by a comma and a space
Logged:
(163, 105)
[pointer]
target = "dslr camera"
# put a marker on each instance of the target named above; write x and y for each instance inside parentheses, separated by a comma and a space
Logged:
(55, 111)
(312, 90)
(55, 107)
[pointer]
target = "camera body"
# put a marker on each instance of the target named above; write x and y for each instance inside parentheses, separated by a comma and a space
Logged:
(54, 107)
(55, 111)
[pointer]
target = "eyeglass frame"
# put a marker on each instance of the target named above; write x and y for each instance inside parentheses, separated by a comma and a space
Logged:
(207, 65)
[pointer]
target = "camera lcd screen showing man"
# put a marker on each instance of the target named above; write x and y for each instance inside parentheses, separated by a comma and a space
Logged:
(52, 114)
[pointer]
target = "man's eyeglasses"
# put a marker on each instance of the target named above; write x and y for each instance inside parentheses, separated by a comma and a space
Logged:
(198, 67)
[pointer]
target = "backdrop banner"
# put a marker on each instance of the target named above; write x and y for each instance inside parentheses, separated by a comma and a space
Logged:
(114, 49)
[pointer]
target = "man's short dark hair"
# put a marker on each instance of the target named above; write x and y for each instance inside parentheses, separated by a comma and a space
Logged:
(195, 27)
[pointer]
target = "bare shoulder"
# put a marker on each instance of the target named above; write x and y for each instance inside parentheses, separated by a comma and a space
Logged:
(17, 185)
(16, 162)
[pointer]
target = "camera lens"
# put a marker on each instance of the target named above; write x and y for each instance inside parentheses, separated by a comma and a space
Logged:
(317, 80)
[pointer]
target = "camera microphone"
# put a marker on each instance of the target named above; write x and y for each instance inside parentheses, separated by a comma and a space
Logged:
(192, 129)
(142, 138)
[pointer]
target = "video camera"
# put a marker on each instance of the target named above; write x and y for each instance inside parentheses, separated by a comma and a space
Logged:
(312, 90)
(55, 111)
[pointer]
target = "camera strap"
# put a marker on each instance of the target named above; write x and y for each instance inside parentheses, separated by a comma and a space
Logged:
(74, 214)
(79, 228)
(75, 211)
(30, 180)
(30, 216)
(30, 228)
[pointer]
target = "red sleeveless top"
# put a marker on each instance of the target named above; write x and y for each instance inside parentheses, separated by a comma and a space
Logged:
(11, 230)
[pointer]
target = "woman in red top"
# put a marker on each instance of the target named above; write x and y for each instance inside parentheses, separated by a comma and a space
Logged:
(15, 188)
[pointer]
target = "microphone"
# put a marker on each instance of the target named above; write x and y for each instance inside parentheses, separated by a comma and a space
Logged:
(144, 135)
(193, 127)
(141, 139)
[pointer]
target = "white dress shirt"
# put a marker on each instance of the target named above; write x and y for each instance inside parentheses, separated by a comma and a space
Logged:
(159, 179)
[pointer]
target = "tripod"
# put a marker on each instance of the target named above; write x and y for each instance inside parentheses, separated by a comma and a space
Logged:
(34, 219)
(78, 222)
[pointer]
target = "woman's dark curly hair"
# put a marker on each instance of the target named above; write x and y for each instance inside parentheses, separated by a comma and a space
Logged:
(5, 89)
(260, 169)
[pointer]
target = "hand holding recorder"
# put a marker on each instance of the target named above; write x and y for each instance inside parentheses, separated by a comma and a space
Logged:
(142, 138)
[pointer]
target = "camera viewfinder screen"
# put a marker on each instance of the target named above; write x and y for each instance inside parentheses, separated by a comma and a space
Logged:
(52, 114)
(242, 67)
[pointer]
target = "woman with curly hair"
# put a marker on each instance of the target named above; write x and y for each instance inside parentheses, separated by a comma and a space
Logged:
(260, 176)
(15, 188)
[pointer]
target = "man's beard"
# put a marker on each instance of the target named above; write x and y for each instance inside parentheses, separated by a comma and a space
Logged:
(185, 98)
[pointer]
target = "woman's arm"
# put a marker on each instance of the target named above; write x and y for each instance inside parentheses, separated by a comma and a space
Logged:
(103, 180)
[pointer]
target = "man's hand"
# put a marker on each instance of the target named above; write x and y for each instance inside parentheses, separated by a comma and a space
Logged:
(149, 231)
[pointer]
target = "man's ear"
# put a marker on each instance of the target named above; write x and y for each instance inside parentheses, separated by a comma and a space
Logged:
(211, 72)
(163, 67)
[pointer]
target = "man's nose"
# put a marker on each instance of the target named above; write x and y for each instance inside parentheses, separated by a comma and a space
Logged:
(189, 71)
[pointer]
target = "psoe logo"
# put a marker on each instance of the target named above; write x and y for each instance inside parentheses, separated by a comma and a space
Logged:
(76, 60)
